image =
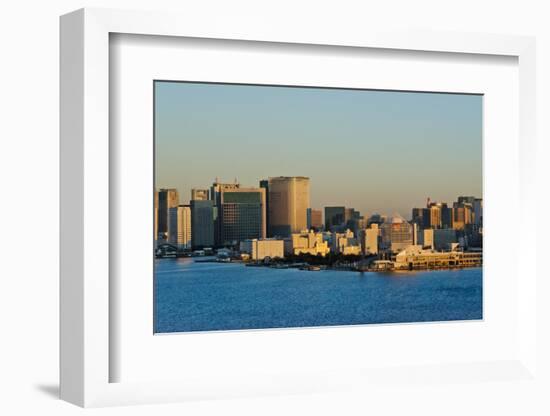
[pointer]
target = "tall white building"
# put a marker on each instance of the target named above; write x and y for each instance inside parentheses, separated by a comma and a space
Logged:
(369, 239)
(179, 224)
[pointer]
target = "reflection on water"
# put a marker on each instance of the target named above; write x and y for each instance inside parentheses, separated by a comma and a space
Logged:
(192, 296)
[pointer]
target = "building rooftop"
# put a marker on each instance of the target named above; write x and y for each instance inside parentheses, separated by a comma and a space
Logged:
(288, 177)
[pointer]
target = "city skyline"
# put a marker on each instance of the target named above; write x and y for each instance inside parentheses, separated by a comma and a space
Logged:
(280, 207)
(376, 151)
(228, 214)
(407, 215)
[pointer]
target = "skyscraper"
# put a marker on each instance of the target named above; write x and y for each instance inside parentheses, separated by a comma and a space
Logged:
(167, 198)
(215, 196)
(435, 215)
(446, 216)
(340, 216)
(478, 211)
(420, 216)
(462, 215)
(314, 218)
(179, 226)
(202, 224)
(241, 214)
(334, 216)
(264, 183)
(217, 187)
(288, 204)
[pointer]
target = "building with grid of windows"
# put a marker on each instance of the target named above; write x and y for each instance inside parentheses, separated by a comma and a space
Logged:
(242, 215)
(215, 195)
(397, 234)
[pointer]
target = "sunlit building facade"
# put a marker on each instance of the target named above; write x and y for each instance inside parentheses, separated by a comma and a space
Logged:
(369, 238)
(435, 215)
(260, 249)
(417, 257)
(462, 215)
(288, 200)
(179, 225)
(306, 242)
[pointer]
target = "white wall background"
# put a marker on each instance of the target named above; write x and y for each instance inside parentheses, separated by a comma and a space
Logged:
(29, 197)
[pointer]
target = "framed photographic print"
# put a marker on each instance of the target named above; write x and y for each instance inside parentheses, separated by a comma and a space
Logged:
(239, 254)
(266, 213)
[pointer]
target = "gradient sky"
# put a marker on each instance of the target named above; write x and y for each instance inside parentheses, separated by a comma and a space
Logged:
(375, 151)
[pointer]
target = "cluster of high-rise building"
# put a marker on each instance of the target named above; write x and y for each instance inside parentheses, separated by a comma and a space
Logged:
(466, 211)
(229, 213)
(276, 218)
(440, 224)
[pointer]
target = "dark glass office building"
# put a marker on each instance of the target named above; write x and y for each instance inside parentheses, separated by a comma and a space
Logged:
(242, 215)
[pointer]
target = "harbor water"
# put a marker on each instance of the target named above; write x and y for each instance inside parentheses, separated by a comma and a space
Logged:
(203, 296)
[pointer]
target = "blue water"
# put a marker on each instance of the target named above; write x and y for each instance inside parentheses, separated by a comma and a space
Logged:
(192, 296)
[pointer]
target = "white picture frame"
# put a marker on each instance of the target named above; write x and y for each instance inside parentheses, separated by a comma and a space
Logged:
(86, 355)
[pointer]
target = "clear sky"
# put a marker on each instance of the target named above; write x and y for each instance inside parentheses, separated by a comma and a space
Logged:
(375, 151)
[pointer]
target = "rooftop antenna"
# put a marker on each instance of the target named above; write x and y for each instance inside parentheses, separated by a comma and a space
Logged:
(428, 202)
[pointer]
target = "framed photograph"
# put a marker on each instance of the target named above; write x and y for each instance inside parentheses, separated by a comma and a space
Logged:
(239, 254)
(270, 212)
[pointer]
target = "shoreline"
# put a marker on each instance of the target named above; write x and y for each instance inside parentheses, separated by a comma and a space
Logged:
(311, 267)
